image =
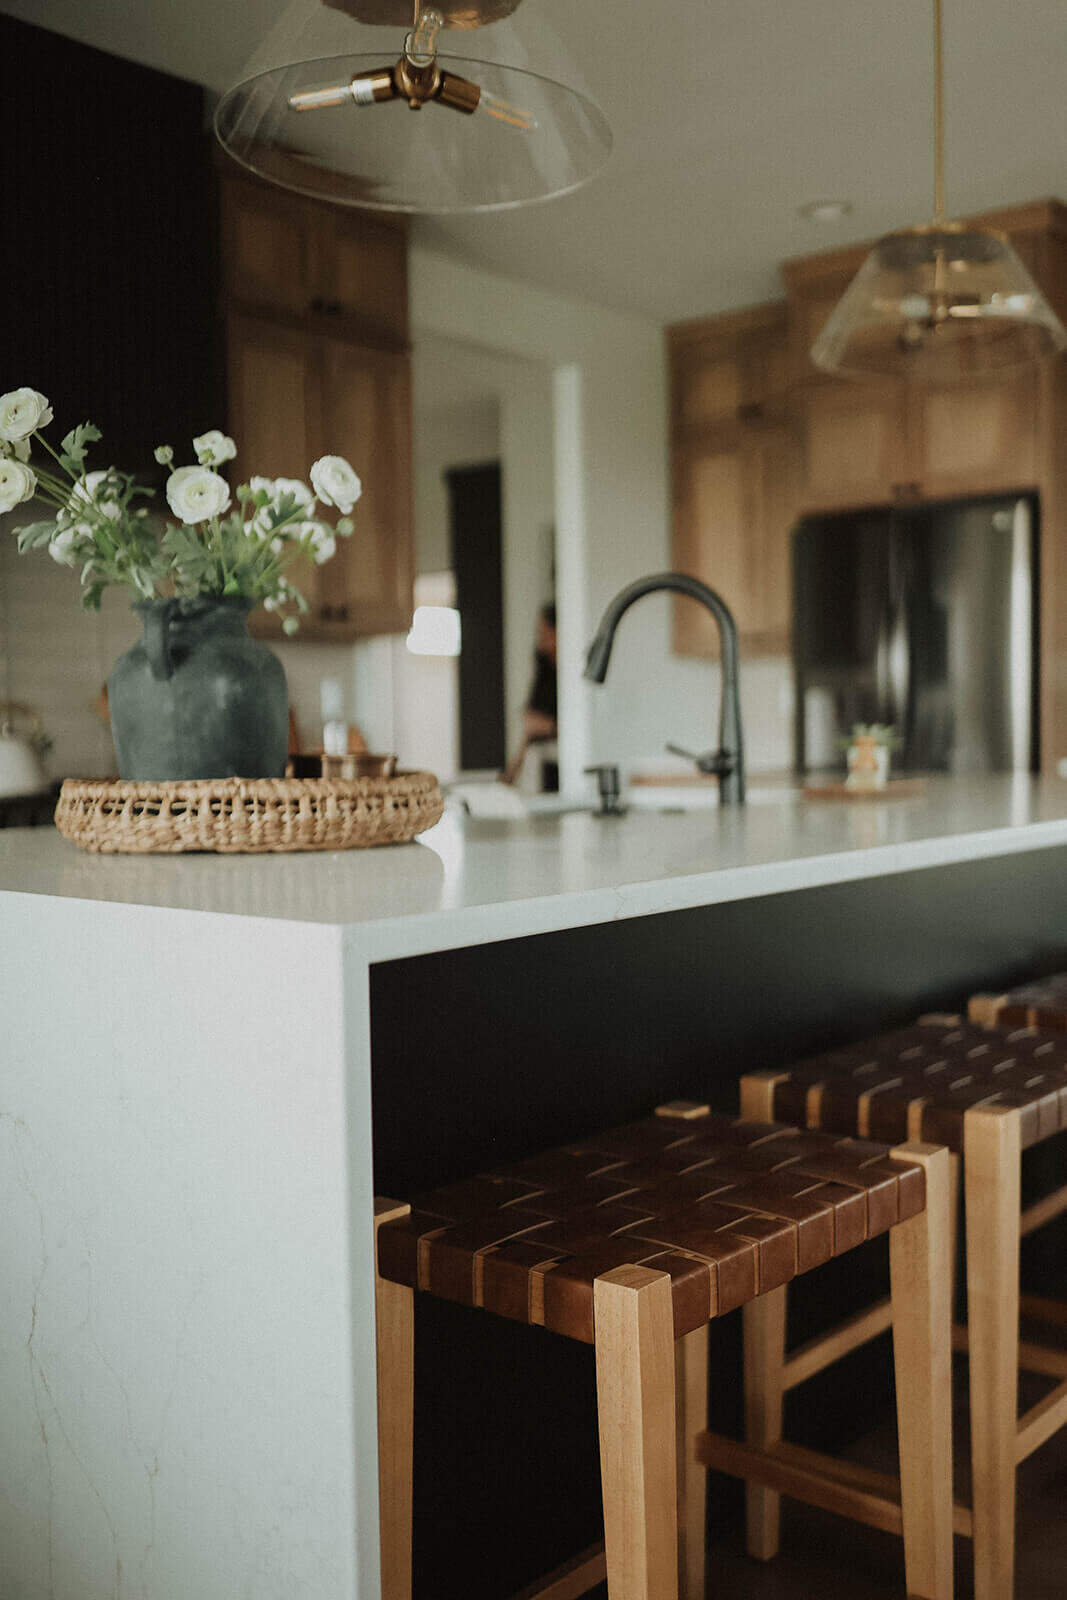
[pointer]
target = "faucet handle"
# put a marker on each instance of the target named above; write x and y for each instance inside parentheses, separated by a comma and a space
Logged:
(716, 763)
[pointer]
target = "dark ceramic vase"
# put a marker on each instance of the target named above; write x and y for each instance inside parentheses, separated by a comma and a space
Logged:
(196, 697)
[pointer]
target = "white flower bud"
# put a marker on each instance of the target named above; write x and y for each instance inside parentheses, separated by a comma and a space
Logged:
(164, 454)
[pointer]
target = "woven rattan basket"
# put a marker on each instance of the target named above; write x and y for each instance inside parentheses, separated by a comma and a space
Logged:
(238, 816)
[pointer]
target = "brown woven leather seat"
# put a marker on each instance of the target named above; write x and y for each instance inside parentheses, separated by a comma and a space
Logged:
(919, 1082)
(1042, 1004)
(728, 1209)
(633, 1240)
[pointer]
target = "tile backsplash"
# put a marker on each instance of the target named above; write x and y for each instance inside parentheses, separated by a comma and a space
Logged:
(56, 657)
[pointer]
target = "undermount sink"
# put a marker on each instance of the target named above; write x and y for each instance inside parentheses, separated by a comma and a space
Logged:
(662, 797)
(700, 797)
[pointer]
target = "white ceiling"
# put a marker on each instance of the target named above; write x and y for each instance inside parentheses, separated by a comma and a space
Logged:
(728, 115)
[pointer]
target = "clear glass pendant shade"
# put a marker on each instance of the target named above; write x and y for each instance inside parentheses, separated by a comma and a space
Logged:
(298, 118)
(941, 303)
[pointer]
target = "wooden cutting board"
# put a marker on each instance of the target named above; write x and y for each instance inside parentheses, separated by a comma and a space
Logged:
(895, 789)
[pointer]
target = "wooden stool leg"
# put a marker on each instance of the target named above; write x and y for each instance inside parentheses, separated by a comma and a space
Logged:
(920, 1267)
(764, 1325)
(395, 1323)
(991, 1166)
(691, 1406)
(634, 1335)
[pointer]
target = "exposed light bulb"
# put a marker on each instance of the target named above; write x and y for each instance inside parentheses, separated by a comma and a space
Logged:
(503, 112)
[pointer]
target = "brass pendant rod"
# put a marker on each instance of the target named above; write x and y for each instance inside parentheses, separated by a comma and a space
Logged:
(939, 116)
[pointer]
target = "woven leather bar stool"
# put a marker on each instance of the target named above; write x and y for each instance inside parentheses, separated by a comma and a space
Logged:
(1042, 1004)
(633, 1240)
(987, 1096)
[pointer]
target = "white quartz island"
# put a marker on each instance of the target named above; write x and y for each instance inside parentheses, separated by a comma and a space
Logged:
(187, 1059)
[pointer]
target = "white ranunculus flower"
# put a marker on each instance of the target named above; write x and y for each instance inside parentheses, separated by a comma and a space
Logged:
(335, 483)
(214, 447)
(262, 522)
(299, 491)
(323, 543)
(22, 411)
(195, 494)
(86, 493)
(19, 448)
(65, 547)
(17, 483)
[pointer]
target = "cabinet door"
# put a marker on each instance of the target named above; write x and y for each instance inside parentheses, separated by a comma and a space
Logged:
(269, 249)
(855, 444)
(273, 415)
(975, 438)
(734, 508)
(365, 272)
(366, 417)
(730, 368)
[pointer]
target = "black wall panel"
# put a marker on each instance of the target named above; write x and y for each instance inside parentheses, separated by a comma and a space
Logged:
(106, 246)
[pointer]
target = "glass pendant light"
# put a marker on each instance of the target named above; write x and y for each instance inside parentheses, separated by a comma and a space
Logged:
(941, 302)
(362, 102)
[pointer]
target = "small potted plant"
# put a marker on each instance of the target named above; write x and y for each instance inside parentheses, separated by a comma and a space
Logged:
(196, 697)
(867, 754)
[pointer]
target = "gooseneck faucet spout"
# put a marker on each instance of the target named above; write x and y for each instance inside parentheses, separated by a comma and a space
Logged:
(728, 762)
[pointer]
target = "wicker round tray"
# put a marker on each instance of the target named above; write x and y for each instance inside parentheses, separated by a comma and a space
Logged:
(247, 815)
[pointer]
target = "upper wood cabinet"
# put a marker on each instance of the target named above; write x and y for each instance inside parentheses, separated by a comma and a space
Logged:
(295, 397)
(303, 258)
(317, 363)
(867, 442)
(734, 461)
(729, 369)
(734, 507)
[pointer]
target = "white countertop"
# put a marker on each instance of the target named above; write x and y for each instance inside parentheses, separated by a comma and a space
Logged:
(468, 882)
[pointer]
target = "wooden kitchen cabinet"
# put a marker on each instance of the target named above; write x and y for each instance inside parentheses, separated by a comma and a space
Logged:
(295, 397)
(317, 363)
(733, 512)
(977, 438)
(303, 258)
(730, 368)
(854, 445)
(734, 461)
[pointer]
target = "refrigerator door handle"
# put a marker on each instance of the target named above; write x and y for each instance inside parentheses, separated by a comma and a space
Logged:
(1021, 668)
(894, 666)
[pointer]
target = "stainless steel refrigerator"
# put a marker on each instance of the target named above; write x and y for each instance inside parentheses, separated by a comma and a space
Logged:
(924, 617)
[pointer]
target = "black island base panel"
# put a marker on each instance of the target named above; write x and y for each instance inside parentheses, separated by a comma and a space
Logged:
(490, 1053)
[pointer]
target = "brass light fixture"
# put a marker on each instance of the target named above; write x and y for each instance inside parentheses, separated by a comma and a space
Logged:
(939, 302)
(320, 111)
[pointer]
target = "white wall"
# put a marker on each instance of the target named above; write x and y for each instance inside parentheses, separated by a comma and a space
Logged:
(56, 657)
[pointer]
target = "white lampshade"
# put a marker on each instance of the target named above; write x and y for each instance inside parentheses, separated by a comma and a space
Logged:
(535, 133)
